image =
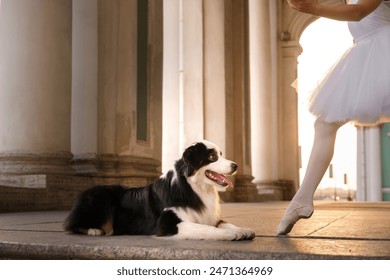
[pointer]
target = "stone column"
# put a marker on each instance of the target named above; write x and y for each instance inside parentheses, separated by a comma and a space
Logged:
(35, 105)
(191, 67)
(84, 78)
(289, 153)
(171, 85)
(194, 75)
(215, 106)
(129, 91)
(35, 86)
(238, 97)
(84, 85)
(183, 76)
(263, 102)
(369, 165)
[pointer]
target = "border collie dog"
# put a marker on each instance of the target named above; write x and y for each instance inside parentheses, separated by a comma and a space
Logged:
(181, 204)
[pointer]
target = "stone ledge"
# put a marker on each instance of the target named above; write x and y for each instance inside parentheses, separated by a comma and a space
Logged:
(24, 181)
(31, 251)
(20, 163)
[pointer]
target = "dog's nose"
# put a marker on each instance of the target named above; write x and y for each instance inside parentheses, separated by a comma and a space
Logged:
(234, 166)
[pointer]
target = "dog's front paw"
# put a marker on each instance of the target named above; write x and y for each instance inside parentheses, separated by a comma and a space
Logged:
(249, 233)
(244, 234)
(95, 232)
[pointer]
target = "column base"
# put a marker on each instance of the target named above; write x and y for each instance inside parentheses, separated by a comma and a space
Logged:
(244, 190)
(247, 190)
(15, 163)
(52, 182)
(37, 181)
(119, 170)
(40, 192)
(275, 190)
(43, 192)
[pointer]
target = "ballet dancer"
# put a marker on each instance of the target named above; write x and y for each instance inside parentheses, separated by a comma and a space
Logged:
(357, 88)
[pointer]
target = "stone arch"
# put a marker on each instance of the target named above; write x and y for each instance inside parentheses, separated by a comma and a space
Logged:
(299, 24)
(299, 21)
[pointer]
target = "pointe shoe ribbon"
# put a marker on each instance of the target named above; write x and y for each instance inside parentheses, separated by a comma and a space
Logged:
(295, 211)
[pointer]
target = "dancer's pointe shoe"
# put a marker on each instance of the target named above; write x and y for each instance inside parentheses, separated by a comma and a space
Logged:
(294, 212)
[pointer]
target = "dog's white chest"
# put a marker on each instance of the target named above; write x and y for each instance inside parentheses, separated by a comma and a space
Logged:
(210, 215)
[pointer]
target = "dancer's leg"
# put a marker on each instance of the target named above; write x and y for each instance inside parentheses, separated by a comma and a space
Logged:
(301, 205)
(320, 158)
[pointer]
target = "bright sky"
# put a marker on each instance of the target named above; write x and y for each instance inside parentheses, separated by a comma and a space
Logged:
(323, 42)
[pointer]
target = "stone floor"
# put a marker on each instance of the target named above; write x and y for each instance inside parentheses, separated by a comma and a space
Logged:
(337, 230)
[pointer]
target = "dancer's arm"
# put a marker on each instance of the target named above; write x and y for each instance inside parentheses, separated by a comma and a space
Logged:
(352, 12)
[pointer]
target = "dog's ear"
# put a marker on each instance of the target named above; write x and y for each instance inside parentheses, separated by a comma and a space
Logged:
(193, 158)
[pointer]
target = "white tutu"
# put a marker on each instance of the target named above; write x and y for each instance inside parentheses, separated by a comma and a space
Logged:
(357, 87)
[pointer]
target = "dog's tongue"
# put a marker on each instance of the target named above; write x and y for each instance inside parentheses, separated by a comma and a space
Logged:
(219, 179)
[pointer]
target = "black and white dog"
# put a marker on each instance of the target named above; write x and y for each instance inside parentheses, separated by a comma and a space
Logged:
(182, 204)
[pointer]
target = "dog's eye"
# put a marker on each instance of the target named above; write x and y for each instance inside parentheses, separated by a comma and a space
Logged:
(213, 157)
